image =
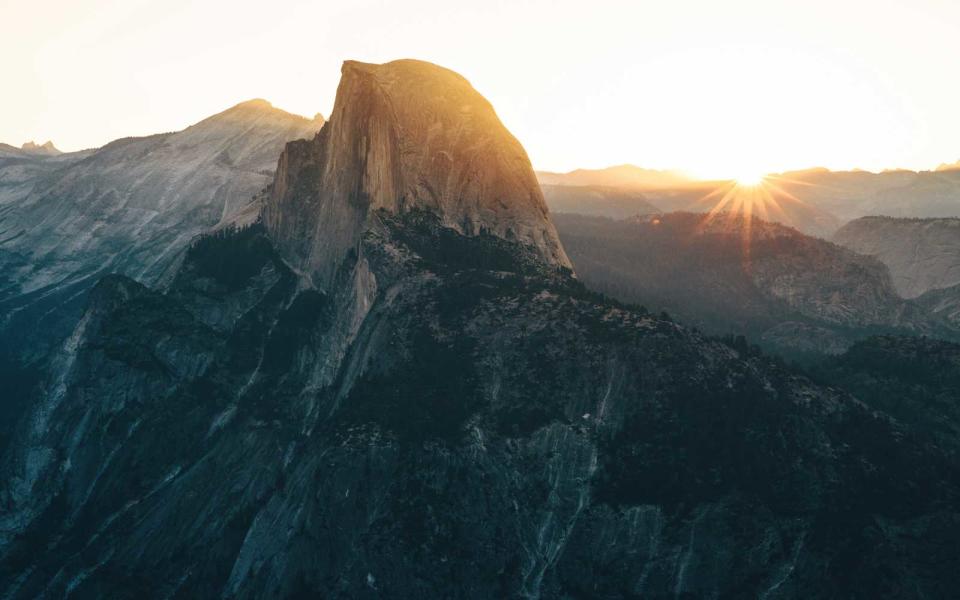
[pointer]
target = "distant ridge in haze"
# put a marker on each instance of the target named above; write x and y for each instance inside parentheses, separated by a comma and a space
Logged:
(793, 292)
(628, 176)
(922, 254)
(816, 201)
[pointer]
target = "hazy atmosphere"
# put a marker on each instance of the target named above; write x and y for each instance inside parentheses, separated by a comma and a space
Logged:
(521, 300)
(713, 88)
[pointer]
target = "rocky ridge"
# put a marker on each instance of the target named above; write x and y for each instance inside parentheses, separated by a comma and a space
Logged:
(131, 207)
(922, 254)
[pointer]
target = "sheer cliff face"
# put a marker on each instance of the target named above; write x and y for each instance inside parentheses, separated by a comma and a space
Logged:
(405, 135)
(922, 254)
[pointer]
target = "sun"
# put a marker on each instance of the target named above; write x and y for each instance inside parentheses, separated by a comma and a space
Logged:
(750, 178)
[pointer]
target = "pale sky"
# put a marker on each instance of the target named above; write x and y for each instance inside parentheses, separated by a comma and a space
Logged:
(716, 88)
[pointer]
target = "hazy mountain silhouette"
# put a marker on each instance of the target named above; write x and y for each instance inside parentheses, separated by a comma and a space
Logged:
(793, 293)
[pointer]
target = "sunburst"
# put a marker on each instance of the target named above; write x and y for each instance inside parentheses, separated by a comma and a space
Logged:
(735, 205)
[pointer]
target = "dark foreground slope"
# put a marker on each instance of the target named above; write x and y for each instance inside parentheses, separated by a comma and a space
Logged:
(917, 380)
(452, 415)
(490, 429)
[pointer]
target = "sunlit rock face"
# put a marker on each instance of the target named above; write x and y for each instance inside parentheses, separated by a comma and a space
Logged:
(405, 135)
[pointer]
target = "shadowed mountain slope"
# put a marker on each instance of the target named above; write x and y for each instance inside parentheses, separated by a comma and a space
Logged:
(790, 291)
(922, 254)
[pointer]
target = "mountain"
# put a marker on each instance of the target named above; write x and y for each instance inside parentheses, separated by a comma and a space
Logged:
(19, 170)
(815, 201)
(632, 191)
(922, 254)
(620, 176)
(452, 158)
(389, 387)
(131, 207)
(727, 275)
(949, 166)
(853, 194)
(616, 203)
(914, 379)
(47, 149)
(930, 195)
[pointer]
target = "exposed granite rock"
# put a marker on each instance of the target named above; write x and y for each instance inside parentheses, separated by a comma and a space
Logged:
(131, 207)
(45, 149)
(404, 135)
(922, 254)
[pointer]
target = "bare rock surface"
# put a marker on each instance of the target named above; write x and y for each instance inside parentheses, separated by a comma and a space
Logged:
(405, 135)
(131, 207)
(922, 254)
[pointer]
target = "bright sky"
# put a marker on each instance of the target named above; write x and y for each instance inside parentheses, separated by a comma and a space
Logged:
(719, 89)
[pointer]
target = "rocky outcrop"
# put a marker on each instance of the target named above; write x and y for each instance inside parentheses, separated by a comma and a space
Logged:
(406, 135)
(922, 254)
(46, 149)
(132, 207)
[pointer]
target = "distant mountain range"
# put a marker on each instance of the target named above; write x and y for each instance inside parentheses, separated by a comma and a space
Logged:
(613, 202)
(794, 293)
(29, 149)
(620, 176)
(815, 201)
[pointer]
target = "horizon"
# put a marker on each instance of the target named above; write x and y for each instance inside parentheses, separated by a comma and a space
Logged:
(666, 170)
(739, 91)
